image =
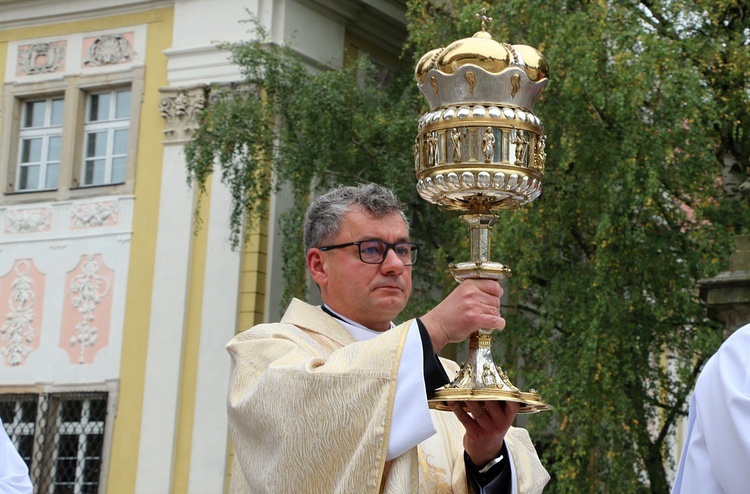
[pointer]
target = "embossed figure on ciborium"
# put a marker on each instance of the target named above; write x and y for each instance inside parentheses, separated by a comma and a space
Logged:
(480, 150)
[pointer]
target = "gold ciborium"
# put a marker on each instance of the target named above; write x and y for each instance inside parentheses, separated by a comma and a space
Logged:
(480, 149)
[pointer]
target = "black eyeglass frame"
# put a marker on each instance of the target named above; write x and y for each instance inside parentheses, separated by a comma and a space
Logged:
(413, 248)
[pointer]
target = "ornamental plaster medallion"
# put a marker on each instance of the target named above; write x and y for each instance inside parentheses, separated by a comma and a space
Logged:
(108, 49)
(41, 58)
(92, 215)
(180, 108)
(27, 221)
(19, 334)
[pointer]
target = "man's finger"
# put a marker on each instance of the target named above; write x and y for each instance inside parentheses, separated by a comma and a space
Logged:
(479, 412)
(469, 423)
(502, 411)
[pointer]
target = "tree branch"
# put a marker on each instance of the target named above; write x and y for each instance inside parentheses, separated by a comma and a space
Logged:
(676, 408)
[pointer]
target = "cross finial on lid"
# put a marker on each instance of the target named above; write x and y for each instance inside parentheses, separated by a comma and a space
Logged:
(483, 17)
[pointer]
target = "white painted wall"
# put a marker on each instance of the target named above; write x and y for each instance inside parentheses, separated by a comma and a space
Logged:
(55, 253)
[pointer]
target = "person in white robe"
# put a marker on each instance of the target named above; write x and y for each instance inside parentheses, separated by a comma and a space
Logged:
(334, 398)
(716, 455)
(14, 474)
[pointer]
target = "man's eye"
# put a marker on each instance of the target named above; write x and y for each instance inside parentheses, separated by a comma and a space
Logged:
(371, 249)
(402, 250)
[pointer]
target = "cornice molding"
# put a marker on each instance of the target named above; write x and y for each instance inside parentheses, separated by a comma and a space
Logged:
(30, 13)
(382, 22)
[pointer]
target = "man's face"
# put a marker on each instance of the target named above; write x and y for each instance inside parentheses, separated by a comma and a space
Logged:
(370, 294)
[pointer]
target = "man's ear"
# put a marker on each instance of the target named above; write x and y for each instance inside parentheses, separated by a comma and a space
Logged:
(316, 267)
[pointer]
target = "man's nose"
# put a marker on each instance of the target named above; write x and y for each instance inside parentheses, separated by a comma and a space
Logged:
(392, 263)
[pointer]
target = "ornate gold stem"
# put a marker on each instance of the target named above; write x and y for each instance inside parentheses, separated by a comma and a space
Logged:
(479, 379)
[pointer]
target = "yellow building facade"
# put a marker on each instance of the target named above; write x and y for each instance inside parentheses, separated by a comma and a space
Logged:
(114, 307)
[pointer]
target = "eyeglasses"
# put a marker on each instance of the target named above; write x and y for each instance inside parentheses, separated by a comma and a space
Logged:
(375, 251)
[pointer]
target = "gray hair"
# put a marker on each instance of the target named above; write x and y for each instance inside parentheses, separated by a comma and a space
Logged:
(324, 215)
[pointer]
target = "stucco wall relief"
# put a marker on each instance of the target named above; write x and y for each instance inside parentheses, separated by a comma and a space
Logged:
(108, 49)
(94, 214)
(27, 220)
(87, 310)
(41, 58)
(22, 295)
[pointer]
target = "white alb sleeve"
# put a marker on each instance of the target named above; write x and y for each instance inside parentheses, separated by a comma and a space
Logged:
(14, 475)
(411, 423)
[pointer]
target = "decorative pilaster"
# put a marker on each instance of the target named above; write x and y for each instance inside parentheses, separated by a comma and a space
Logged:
(180, 108)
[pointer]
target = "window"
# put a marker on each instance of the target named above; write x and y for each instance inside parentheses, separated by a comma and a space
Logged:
(40, 142)
(60, 436)
(106, 137)
(19, 418)
(68, 138)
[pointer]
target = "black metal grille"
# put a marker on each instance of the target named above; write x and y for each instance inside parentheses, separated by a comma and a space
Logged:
(60, 436)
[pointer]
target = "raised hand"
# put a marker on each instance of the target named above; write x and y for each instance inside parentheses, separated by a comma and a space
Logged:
(473, 305)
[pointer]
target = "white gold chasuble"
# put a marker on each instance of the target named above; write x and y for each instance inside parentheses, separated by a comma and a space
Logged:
(310, 411)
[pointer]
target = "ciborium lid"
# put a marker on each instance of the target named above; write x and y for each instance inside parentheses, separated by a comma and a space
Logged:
(480, 147)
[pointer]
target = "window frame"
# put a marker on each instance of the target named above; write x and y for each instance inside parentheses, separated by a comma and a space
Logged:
(110, 126)
(25, 424)
(45, 132)
(55, 395)
(75, 90)
(75, 428)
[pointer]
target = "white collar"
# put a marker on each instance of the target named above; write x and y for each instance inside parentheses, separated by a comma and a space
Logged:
(358, 331)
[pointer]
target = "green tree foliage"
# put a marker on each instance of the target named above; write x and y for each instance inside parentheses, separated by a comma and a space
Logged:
(646, 102)
(309, 130)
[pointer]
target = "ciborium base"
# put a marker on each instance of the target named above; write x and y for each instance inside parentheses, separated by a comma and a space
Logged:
(479, 379)
(530, 401)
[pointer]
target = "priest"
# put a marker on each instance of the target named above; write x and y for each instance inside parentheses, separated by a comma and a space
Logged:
(716, 454)
(14, 474)
(333, 399)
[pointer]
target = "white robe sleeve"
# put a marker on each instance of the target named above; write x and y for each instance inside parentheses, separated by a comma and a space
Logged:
(716, 455)
(411, 422)
(14, 474)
